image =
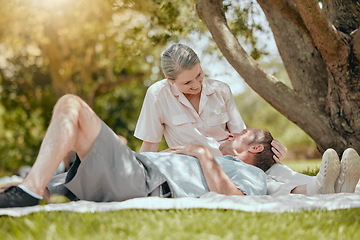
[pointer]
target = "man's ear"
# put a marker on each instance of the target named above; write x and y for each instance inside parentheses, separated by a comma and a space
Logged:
(256, 148)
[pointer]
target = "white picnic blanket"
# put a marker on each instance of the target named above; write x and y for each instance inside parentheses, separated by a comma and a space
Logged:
(291, 203)
(283, 203)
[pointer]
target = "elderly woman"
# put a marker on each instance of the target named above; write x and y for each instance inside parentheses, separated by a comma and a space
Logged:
(185, 107)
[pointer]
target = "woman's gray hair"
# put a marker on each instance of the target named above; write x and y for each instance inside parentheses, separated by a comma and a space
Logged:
(176, 58)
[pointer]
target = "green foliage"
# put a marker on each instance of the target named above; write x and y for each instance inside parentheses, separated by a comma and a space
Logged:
(243, 20)
(23, 121)
(184, 224)
(85, 47)
(107, 52)
(120, 110)
(21, 134)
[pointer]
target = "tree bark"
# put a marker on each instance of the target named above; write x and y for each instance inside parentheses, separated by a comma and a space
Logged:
(288, 9)
(301, 59)
(343, 14)
(356, 44)
(324, 35)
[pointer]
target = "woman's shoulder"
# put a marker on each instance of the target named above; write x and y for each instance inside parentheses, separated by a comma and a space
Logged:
(158, 84)
(158, 87)
(217, 83)
(218, 86)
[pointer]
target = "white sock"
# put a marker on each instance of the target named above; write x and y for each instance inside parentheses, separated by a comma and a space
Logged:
(25, 189)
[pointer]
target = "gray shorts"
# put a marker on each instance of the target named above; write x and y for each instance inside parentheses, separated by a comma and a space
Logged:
(111, 171)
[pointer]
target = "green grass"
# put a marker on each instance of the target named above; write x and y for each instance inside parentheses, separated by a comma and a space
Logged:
(309, 167)
(183, 224)
(187, 223)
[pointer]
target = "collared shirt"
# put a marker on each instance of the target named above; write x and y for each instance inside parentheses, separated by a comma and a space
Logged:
(166, 111)
(186, 179)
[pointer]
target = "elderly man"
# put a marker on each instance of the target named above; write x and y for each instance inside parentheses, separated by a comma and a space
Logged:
(110, 171)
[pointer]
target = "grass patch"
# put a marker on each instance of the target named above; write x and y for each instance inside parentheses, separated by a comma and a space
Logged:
(309, 167)
(183, 224)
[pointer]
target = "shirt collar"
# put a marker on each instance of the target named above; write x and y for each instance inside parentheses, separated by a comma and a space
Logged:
(207, 88)
(174, 90)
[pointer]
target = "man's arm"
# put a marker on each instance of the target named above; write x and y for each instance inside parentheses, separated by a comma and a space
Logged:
(217, 180)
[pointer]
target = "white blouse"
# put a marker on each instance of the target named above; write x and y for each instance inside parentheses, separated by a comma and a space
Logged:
(166, 111)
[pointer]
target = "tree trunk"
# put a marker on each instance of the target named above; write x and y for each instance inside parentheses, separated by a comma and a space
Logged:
(301, 59)
(320, 51)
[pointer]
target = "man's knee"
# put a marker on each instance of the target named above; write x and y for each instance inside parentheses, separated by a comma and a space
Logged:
(65, 99)
(68, 105)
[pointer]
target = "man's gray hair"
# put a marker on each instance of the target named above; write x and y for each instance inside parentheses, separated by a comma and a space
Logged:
(177, 58)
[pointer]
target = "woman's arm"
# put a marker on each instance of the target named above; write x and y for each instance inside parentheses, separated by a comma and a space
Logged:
(149, 127)
(149, 147)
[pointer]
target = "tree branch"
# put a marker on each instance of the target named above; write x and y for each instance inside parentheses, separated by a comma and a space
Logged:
(289, 10)
(269, 88)
(326, 38)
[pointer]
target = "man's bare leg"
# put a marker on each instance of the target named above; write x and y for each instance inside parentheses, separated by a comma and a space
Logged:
(299, 190)
(74, 127)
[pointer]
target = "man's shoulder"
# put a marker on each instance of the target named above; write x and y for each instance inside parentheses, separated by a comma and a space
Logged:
(235, 161)
(229, 158)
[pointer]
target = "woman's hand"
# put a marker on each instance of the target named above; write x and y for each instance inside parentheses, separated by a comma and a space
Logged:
(279, 151)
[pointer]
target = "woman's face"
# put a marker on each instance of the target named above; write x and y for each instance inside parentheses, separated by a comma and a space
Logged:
(189, 81)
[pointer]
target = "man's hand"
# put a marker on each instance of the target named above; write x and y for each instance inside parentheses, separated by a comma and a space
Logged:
(279, 151)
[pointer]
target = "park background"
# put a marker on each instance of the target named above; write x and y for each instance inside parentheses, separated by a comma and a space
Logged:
(108, 53)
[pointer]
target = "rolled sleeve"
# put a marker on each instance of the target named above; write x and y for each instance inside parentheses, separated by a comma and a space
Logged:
(149, 126)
